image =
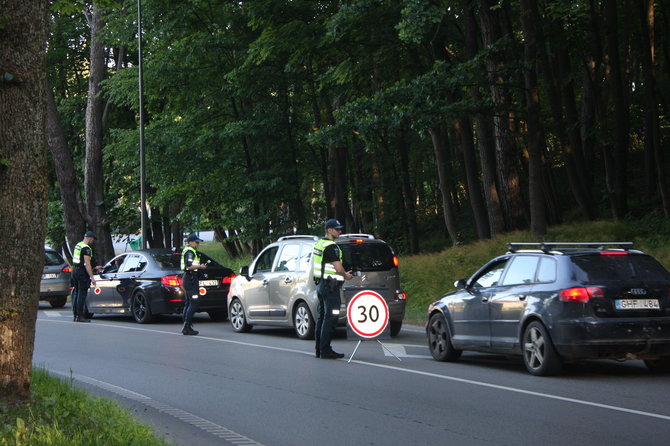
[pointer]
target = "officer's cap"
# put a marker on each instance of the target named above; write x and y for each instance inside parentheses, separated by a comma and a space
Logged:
(332, 223)
(89, 234)
(193, 238)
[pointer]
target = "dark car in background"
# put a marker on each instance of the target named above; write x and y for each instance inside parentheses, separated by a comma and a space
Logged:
(278, 288)
(55, 284)
(558, 302)
(145, 283)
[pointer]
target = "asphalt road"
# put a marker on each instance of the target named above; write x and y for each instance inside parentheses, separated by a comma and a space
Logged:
(266, 387)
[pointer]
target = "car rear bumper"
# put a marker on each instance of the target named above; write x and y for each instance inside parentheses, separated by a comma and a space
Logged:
(613, 338)
(171, 301)
(54, 288)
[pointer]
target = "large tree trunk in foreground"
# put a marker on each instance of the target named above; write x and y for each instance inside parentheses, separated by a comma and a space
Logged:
(23, 188)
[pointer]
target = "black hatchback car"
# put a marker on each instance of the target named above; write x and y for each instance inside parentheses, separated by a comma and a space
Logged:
(148, 282)
(558, 302)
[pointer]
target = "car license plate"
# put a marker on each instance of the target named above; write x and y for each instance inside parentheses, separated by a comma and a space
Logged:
(49, 276)
(209, 282)
(637, 304)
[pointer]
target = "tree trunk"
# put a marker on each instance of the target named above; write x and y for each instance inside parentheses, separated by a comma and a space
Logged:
(408, 195)
(536, 144)
(23, 187)
(70, 192)
(440, 149)
(94, 180)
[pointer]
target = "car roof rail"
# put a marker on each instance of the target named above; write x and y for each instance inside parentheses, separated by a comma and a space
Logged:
(551, 246)
(298, 237)
(368, 236)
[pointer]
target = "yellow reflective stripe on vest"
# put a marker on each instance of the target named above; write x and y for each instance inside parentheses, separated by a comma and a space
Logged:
(196, 259)
(76, 256)
(328, 268)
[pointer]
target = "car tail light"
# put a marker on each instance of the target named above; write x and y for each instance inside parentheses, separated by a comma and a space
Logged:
(359, 241)
(171, 280)
(66, 269)
(228, 279)
(581, 294)
(614, 253)
(395, 261)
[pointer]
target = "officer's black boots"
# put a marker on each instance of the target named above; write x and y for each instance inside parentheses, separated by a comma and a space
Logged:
(188, 330)
(81, 319)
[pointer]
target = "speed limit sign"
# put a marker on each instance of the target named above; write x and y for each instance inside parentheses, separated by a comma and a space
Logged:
(367, 314)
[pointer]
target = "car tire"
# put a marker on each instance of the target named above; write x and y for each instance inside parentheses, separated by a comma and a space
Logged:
(661, 365)
(218, 315)
(303, 321)
(58, 301)
(238, 320)
(395, 328)
(539, 354)
(141, 310)
(439, 340)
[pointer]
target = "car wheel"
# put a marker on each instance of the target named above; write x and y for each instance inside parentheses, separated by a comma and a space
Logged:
(141, 310)
(661, 365)
(58, 302)
(303, 321)
(237, 317)
(218, 315)
(395, 328)
(539, 354)
(439, 340)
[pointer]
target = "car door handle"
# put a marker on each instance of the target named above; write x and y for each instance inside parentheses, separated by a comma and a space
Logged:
(288, 280)
(522, 296)
(485, 299)
(265, 282)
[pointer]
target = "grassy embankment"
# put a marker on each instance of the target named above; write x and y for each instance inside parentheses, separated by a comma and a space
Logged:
(60, 414)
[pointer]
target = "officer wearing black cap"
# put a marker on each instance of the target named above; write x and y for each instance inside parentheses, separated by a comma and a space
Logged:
(82, 260)
(190, 264)
(329, 275)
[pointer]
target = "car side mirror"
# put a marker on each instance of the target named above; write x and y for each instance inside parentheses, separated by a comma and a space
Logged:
(244, 271)
(461, 283)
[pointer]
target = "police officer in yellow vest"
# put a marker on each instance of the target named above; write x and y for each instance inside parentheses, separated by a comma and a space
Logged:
(329, 275)
(190, 264)
(82, 275)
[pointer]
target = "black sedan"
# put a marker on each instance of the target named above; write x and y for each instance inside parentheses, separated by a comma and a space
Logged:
(553, 303)
(145, 283)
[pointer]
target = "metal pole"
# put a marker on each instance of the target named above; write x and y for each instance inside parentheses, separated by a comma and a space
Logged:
(143, 198)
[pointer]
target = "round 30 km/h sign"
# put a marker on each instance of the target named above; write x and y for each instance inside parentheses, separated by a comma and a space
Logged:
(368, 314)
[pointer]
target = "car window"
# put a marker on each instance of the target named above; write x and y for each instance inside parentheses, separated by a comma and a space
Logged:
(305, 257)
(366, 256)
(52, 258)
(114, 266)
(288, 258)
(617, 267)
(546, 272)
(265, 260)
(521, 270)
(490, 276)
(134, 263)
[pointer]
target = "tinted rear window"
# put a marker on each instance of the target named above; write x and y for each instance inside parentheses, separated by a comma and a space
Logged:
(366, 256)
(51, 258)
(620, 267)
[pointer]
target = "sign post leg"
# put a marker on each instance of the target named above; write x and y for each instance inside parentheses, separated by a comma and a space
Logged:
(352, 355)
(387, 349)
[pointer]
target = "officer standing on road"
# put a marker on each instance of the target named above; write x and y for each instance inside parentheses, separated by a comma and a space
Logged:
(83, 276)
(190, 264)
(329, 275)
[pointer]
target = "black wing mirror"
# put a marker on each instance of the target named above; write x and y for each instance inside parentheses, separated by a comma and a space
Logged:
(461, 283)
(244, 271)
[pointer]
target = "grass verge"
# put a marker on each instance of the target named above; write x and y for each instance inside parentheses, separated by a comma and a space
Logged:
(59, 414)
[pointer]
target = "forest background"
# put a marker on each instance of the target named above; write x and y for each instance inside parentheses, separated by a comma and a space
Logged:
(428, 123)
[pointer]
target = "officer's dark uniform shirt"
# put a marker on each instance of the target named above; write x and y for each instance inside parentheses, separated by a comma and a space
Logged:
(331, 254)
(188, 261)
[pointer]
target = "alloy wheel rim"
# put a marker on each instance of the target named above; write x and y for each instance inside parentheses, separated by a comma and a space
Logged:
(139, 307)
(236, 315)
(534, 348)
(437, 336)
(301, 320)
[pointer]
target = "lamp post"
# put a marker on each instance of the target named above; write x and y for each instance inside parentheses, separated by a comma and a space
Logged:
(143, 198)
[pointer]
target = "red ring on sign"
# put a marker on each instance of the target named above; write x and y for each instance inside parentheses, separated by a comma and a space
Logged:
(202, 290)
(351, 305)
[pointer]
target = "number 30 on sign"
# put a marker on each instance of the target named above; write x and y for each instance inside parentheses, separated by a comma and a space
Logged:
(368, 314)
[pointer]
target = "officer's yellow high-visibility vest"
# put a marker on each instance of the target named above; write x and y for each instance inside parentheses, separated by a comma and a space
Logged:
(76, 256)
(325, 269)
(196, 260)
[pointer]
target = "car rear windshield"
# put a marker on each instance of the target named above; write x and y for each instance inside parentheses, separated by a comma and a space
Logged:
(52, 258)
(617, 267)
(367, 256)
(172, 260)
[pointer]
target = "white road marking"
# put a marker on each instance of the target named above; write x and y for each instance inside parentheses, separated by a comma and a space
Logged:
(400, 350)
(53, 313)
(194, 420)
(410, 371)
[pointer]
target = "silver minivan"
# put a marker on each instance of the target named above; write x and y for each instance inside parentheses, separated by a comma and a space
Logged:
(278, 288)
